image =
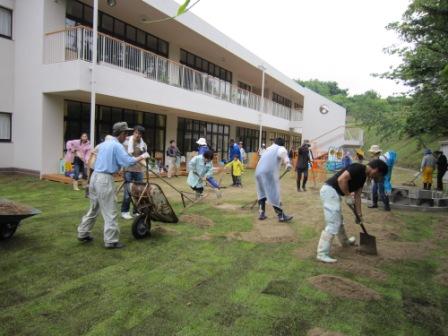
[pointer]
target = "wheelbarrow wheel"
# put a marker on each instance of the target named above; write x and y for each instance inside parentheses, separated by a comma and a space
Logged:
(141, 227)
(7, 230)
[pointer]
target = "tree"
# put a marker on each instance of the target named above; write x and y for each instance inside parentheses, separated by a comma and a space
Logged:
(424, 30)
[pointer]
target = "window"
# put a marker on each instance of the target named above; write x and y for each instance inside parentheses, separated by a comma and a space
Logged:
(81, 14)
(250, 138)
(281, 100)
(77, 121)
(189, 131)
(5, 22)
(5, 127)
(200, 64)
(244, 86)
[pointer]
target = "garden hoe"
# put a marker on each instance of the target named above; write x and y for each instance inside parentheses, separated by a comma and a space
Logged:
(367, 243)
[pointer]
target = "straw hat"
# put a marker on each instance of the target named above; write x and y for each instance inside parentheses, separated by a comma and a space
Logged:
(201, 142)
(359, 151)
(375, 149)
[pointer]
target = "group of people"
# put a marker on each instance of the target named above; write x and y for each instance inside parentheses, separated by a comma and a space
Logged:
(122, 150)
(430, 162)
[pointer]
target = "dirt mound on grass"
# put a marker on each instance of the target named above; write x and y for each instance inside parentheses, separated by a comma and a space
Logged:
(164, 231)
(357, 267)
(197, 220)
(322, 332)
(343, 288)
(442, 279)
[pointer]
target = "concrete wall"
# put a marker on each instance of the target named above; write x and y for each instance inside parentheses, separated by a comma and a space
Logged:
(7, 87)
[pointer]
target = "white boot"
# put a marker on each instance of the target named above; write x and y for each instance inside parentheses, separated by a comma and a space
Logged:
(324, 246)
(75, 185)
(126, 215)
(344, 240)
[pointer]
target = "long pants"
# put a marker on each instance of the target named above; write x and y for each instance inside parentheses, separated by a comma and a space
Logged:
(331, 202)
(299, 177)
(128, 178)
(172, 167)
(79, 167)
(378, 187)
(102, 198)
(237, 180)
(440, 174)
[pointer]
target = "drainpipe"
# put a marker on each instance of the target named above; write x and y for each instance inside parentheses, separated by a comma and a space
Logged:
(263, 69)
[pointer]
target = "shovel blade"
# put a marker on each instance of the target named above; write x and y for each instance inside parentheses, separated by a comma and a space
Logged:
(367, 244)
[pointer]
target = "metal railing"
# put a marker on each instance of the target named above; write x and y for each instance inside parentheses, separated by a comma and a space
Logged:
(75, 43)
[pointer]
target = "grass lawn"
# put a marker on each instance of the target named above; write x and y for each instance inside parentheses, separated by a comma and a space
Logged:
(232, 276)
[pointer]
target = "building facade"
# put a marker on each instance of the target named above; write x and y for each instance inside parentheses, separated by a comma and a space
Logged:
(181, 79)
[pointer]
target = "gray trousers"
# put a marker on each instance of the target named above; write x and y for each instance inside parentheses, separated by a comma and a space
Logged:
(102, 198)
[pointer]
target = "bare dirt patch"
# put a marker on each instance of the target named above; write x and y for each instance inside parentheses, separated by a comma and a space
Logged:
(228, 206)
(359, 268)
(343, 288)
(267, 231)
(322, 332)
(197, 220)
(205, 236)
(442, 279)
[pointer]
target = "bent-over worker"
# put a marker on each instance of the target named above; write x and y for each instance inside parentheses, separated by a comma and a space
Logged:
(344, 183)
(268, 180)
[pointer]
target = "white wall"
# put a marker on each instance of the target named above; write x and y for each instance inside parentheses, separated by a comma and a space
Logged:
(7, 87)
(52, 133)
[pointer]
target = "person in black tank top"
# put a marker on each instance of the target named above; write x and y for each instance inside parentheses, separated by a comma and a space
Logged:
(345, 182)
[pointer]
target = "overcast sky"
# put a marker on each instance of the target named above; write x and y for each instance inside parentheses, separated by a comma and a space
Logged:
(338, 40)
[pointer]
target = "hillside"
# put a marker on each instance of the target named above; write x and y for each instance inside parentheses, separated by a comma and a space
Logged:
(409, 150)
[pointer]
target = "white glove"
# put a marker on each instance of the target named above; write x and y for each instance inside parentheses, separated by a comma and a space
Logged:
(288, 167)
(349, 200)
(145, 155)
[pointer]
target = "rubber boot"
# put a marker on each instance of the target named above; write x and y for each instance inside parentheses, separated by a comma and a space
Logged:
(262, 209)
(386, 204)
(75, 185)
(282, 217)
(343, 239)
(374, 202)
(324, 246)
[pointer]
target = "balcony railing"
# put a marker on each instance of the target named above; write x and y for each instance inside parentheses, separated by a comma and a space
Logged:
(76, 44)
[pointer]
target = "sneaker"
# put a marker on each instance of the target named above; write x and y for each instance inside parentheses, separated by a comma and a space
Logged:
(126, 215)
(85, 239)
(262, 216)
(116, 245)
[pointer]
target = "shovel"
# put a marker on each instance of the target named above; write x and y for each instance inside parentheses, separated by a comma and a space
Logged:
(367, 243)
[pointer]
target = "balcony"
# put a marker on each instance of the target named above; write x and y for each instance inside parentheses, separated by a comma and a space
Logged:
(76, 44)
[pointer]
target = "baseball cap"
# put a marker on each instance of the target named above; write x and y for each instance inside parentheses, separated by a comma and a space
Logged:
(121, 126)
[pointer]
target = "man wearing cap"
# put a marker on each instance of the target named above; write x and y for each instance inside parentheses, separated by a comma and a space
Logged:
(135, 146)
(202, 146)
(110, 158)
(303, 163)
(378, 181)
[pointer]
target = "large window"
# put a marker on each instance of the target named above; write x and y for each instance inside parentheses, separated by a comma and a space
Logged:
(244, 86)
(5, 127)
(200, 64)
(189, 131)
(5, 22)
(77, 121)
(250, 138)
(81, 14)
(281, 100)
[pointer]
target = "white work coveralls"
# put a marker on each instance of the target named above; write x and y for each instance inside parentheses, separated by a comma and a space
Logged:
(267, 173)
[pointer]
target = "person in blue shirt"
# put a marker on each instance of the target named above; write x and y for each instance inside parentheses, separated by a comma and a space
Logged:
(234, 150)
(110, 159)
(200, 168)
(202, 146)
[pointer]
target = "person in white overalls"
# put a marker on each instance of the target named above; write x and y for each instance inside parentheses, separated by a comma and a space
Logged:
(268, 180)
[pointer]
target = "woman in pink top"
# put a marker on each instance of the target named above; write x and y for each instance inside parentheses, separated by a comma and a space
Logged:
(78, 153)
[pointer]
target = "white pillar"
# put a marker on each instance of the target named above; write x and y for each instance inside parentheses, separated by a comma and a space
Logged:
(92, 78)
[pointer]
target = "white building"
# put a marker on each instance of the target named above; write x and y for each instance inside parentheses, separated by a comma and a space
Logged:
(181, 79)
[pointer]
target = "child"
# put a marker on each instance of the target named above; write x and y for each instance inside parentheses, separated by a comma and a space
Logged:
(237, 170)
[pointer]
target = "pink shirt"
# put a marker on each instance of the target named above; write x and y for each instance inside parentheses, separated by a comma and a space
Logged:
(75, 147)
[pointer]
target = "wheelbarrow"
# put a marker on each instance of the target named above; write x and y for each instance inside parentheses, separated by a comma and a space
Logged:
(150, 203)
(11, 214)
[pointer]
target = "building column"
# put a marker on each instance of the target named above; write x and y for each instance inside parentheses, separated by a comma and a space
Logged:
(52, 133)
(171, 130)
